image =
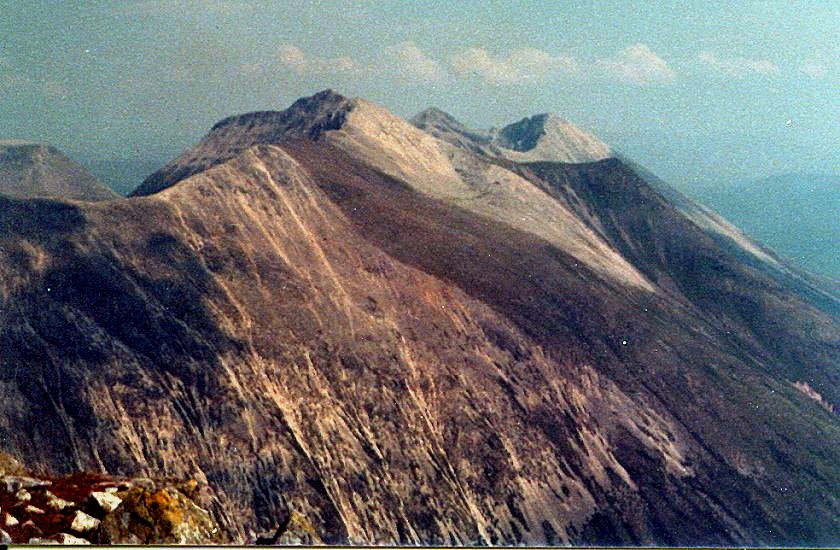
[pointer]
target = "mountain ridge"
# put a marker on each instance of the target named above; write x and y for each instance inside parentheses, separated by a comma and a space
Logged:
(406, 341)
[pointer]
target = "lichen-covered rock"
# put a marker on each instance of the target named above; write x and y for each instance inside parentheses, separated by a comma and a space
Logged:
(159, 516)
(300, 531)
(9, 465)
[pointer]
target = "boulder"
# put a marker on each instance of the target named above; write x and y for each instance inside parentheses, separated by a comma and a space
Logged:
(29, 530)
(161, 516)
(82, 522)
(104, 502)
(12, 484)
(10, 521)
(5, 538)
(33, 510)
(55, 503)
(22, 495)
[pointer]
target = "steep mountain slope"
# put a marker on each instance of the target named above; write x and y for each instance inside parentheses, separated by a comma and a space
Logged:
(35, 170)
(330, 311)
(375, 136)
(797, 215)
(818, 291)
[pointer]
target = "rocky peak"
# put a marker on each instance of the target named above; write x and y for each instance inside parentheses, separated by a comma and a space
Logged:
(542, 137)
(524, 134)
(444, 126)
(306, 118)
(433, 116)
(548, 137)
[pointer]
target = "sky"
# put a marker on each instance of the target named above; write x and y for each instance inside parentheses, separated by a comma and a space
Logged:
(701, 94)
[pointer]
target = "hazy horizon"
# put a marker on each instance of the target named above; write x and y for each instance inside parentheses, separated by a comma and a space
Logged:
(698, 94)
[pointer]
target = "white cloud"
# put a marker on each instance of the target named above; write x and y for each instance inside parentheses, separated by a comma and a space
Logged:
(637, 64)
(295, 59)
(814, 68)
(738, 66)
(523, 65)
(412, 63)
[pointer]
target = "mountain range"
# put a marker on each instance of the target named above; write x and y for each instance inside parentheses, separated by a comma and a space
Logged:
(420, 333)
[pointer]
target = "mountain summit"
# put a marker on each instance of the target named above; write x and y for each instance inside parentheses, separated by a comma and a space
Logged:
(35, 170)
(547, 137)
(543, 137)
(307, 117)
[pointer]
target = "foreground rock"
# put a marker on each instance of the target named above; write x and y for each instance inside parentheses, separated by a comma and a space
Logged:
(83, 523)
(162, 516)
(60, 538)
(82, 508)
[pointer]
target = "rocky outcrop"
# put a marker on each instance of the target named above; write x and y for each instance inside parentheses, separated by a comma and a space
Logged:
(81, 508)
(157, 516)
(543, 137)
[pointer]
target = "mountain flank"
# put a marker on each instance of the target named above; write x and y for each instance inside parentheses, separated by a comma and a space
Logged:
(330, 313)
(798, 215)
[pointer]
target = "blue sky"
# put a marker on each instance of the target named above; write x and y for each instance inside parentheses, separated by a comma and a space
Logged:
(699, 94)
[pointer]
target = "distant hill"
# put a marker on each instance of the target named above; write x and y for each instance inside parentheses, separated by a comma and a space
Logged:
(797, 215)
(29, 170)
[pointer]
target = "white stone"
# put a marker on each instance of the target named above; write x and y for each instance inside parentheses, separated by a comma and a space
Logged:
(106, 501)
(55, 503)
(67, 538)
(82, 522)
(11, 521)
